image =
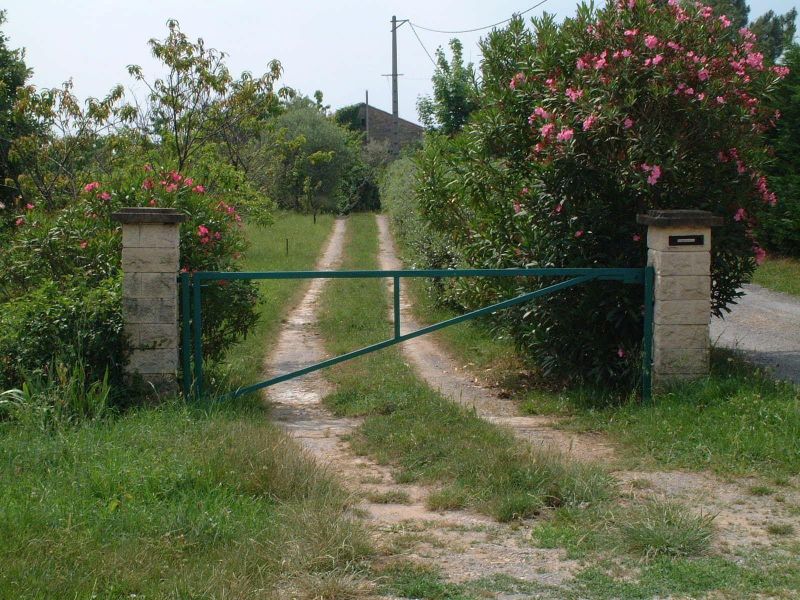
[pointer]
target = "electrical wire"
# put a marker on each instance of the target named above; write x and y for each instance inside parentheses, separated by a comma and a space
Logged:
(537, 5)
(416, 35)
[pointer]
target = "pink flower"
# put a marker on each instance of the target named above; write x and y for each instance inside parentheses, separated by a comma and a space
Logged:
(148, 168)
(755, 60)
(620, 352)
(217, 236)
(630, 32)
(651, 41)
(171, 187)
(105, 196)
(581, 64)
(147, 184)
(517, 207)
(740, 215)
(579, 233)
(29, 206)
(720, 99)
(674, 46)
(551, 84)
(547, 130)
(759, 253)
(654, 173)
(573, 95)
(702, 74)
(627, 123)
(637, 237)
(657, 59)
(540, 113)
(152, 202)
(175, 176)
(516, 80)
(780, 70)
(83, 244)
(199, 189)
(626, 53)
(565, 134)
(20, 221)
(188, 182)
(90, 187)
(588, 122)
(202, 230)
(726, 22)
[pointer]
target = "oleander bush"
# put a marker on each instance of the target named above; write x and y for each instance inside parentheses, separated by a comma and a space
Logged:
(583, 125)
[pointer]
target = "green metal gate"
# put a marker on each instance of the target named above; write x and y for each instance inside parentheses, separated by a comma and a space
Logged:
(192, 320)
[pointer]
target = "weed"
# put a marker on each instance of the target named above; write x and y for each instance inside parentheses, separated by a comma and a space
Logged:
(761, 490)
(666, 529)
(780, 529)
(389, 497)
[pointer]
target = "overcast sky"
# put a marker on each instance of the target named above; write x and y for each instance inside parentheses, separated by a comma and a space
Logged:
(342, 47)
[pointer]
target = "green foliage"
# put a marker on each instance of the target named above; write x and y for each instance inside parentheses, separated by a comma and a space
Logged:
(454, 93)
(14, 73)
(309, 163)
(779, 225)
(775, 32)
(581, 128)
(60, 396)
(75, 322)
(348, 116)
(198, 100)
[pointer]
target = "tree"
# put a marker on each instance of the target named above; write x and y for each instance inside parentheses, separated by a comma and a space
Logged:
(14, 73)
(199, 101)
(774, 32)
(454, 89)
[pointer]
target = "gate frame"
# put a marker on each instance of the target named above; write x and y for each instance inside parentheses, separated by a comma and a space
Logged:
(192, 319)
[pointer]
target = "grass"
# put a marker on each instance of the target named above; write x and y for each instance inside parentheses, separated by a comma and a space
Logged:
(779, 274)
(427, 437)
(737, 421)
(179, 501)
(267, 252)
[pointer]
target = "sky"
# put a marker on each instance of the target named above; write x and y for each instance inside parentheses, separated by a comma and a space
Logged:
(342, 47)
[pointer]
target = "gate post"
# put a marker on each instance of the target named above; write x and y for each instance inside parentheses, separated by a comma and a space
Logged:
(150, 257)
(679, 250)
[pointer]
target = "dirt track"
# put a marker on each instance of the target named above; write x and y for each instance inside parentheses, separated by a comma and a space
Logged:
(765, 326)
(462, 544)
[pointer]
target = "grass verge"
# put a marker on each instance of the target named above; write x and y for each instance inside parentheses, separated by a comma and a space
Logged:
(178, 501)
(779, 274)
(427, 437)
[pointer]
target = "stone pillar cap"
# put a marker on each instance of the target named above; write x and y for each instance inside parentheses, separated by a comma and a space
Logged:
(678, 218)
(144, 214)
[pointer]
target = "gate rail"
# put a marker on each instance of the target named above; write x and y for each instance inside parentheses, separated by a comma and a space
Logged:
(192, 320)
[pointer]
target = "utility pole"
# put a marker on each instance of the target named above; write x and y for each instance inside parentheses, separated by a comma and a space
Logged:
(395, 103)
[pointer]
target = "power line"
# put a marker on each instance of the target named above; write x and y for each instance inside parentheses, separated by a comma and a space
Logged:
(537, 5)
(416, 35)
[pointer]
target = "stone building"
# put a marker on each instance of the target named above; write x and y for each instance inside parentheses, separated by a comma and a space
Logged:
(379, 126)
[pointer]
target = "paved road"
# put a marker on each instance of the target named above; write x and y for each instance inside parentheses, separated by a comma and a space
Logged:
(765, 326)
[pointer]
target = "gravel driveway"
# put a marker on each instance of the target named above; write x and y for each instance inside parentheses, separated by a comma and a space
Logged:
(765, 326)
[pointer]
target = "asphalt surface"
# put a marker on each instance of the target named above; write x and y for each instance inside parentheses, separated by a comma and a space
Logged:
(764, 326)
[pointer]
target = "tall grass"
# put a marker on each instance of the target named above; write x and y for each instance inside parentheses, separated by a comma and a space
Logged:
(177, 501)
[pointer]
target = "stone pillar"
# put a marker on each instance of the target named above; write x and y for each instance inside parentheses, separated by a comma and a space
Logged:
(679, 250)
(150, 256)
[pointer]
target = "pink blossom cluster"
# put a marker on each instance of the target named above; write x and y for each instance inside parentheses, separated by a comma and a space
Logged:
(654, 173)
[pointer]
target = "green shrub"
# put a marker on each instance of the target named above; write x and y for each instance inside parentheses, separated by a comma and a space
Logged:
(69, 321)
(582, 126)
(61, 271)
